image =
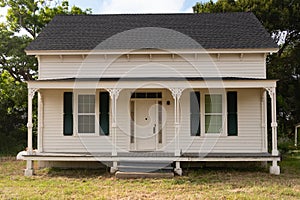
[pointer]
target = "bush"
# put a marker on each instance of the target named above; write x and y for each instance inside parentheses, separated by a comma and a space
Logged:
(285, 144)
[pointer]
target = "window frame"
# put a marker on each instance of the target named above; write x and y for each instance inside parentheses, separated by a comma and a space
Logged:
(76, 112)
(223, 131)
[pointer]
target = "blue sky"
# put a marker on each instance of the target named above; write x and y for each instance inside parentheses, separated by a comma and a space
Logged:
(136, 6)
(130, 6)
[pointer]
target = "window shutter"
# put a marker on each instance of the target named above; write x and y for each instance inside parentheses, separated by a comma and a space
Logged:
(232, 124)
(68, 113)
(104, 113)
(195, 113)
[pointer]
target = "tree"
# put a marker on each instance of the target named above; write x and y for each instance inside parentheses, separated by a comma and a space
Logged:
(29, 16)
(281, 18)
(25, 20)
(13, 105)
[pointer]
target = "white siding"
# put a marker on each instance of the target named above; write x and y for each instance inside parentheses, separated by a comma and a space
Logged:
(55, 141)
(249, 137)
(95, 66)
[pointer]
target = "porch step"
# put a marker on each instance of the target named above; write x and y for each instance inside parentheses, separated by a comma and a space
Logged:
(145, 166)
(129, 175)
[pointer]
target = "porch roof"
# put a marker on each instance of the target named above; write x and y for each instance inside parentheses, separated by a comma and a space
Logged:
(165, 82)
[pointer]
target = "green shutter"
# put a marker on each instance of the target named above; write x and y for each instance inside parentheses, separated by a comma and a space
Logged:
(68, 113)
(232, 125)
(104, 113)
(195, 113)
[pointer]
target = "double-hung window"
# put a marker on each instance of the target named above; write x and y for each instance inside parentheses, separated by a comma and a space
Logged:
(213, 113)
(86, 114)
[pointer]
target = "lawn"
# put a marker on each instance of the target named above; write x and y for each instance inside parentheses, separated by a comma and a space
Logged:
(200, 184)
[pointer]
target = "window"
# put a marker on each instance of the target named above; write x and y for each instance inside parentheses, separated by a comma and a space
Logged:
(104, 113)
(195, 113)
(232, 127)
(68, 113)
(146, 95)
(213, 113)
(86, 113)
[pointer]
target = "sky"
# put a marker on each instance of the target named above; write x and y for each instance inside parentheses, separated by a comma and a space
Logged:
(136, 6)
(130, 6)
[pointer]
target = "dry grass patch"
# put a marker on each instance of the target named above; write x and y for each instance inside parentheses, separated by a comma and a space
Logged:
(200, 184)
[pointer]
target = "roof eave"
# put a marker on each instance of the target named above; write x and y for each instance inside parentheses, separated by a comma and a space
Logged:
(147, 51)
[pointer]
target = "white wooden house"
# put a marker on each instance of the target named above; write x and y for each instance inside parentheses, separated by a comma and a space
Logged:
(153, 87)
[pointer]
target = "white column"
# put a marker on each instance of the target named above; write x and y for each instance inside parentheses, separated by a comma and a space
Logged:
(29, 165)
(176, 93)
(264, 121)
(31, 93)
(274, 168)
(114, 94)
(40, 121)
(272, 94)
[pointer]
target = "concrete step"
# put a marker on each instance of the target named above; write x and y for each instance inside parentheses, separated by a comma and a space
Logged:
(145, 166)
(160, 164)
(131, 175)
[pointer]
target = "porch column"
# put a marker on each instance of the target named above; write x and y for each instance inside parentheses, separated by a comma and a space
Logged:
(274, 168)
(176, 93)
(40, 121)
(114, 94)
(272, 94)
(29, 165)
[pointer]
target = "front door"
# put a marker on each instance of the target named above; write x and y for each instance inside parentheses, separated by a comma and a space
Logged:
(146, 124)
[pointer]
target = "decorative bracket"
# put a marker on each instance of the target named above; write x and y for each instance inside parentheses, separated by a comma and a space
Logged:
(32, 91)
(114, 92)
(176, 92)
(271, 91)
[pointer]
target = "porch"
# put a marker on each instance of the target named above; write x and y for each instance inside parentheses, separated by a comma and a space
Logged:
(148, 156)
(162, 158)
(173, 150)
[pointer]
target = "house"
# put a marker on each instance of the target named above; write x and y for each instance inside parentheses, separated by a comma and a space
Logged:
(153, 87)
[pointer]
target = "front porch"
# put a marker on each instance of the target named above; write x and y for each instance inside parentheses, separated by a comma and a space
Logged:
(180, 145)
(154, 157)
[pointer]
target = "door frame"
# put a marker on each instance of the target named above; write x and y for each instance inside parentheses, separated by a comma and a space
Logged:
(133, 146)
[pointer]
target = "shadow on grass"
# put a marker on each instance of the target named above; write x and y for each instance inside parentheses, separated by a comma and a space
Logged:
(75, 173)
(201, 175)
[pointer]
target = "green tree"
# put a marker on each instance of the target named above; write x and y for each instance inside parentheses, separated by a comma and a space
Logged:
(281, 18)
(24, 21)
(30, 17)
(13, 105)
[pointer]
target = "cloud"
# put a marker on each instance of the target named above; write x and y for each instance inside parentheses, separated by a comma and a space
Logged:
(141, 6)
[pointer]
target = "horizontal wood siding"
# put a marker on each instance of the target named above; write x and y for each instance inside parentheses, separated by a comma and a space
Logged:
(249, 126)
(53, 139)
(248, 139)
(226, 65)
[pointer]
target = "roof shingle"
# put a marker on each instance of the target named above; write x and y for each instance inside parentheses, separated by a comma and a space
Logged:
(160, 31)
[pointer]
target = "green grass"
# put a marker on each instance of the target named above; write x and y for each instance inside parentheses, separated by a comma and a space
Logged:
(199, 184)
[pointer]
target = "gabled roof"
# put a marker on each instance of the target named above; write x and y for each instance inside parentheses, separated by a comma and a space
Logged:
(159, 31)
